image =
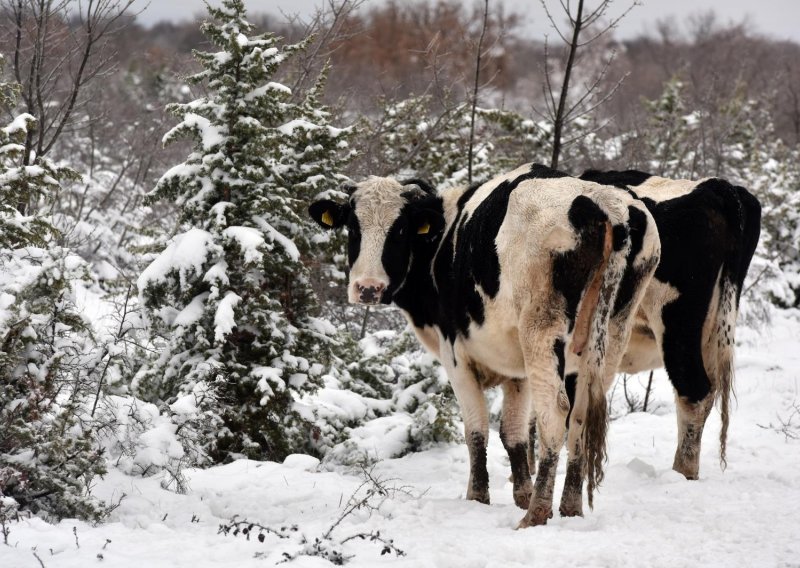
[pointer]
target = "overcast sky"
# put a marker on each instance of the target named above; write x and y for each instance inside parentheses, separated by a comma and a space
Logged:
(776, 18)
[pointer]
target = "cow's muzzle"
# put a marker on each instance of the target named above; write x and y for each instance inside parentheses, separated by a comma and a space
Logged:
(369, 291)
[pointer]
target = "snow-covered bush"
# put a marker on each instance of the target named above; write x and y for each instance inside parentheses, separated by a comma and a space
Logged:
(420, 412)
(47, 459)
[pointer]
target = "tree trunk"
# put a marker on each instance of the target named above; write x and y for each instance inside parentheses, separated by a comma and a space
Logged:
(558, 125)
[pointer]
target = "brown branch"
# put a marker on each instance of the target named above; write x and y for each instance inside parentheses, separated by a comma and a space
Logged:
(474, 102)
(558, 125)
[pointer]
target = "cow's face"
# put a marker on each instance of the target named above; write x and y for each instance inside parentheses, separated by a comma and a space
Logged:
(387, 222)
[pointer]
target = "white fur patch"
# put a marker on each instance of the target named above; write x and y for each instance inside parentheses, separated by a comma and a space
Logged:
(378, 203)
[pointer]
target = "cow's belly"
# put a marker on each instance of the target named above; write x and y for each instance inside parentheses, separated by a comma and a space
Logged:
(496, 347)
(642, 353)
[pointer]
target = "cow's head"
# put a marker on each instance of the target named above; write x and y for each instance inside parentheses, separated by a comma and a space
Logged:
(388, 222)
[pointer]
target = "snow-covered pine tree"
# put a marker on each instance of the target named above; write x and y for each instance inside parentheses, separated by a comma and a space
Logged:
(230, 295)
(754, 155)
(668, 138)
(47, 459)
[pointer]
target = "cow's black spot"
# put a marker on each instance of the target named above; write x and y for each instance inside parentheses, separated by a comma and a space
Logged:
(353, 238)
(423, 185)
(572, 269)
(466, 196)
(541, 171)
(632, 277)
(621, 179)
(396, 254)
(558, 351)
(619, 237)
(415, 293)
(570, 383)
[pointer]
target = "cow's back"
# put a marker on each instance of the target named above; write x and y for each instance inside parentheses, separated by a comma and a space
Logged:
(531, 233)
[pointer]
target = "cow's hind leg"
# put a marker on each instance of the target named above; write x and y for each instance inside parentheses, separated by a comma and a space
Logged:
(532, 442)
(572, 496)
(514, 433)
(543, 368)
(691, 420)
(694, 392)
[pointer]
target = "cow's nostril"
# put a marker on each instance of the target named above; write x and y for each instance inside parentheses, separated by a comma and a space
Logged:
(369, 290)
(371, 294)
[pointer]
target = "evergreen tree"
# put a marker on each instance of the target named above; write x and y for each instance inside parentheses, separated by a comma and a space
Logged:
(670, 149)
(47, 460)
(230, 295)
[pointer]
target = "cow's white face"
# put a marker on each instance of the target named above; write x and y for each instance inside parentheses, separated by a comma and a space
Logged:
(386, 220)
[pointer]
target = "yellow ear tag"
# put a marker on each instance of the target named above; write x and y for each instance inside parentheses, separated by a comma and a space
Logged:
(327, 218)
(424, 229)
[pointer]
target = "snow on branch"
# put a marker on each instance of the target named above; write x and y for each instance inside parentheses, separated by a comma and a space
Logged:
(186, 254)
(19, 124)
(275, 235)
(211, 135)
(224, 321)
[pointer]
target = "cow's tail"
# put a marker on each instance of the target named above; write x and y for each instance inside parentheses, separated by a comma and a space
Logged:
(722, 357)
(590, 341)
(746, 231)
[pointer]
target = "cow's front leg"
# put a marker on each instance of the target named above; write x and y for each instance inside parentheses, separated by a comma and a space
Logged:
(475, 415)
(514, 433)
(552, 406)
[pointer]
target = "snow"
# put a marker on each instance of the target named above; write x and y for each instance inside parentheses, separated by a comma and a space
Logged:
(192, 312)
(249, 239)
(290, 126)
(645, 514)
(224, 320)
(19, 124)
(301, 461)
(210, 134)
(287, 244)
(185, 252)
(267, 89)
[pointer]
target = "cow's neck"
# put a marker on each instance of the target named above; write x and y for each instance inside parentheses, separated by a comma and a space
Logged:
(421, 295)
(418, 296)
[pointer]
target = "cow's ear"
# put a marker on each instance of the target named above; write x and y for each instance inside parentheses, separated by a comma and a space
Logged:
(428, 223)
(329, 214)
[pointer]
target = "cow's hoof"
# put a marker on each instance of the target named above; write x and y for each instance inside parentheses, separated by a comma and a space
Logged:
(571, 504)
(570, 511)
(479, 496)
(688, 470)
(522, 496)
(536, 518)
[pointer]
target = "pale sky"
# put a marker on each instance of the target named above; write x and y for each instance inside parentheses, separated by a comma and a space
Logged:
(776, 18)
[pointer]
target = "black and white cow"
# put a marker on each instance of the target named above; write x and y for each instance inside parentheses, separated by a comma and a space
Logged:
(501, 281)
(709, 230)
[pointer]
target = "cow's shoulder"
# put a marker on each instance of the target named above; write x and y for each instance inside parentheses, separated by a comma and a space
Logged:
(467, 267)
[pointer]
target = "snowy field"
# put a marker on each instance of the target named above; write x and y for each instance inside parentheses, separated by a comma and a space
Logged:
(645, 514)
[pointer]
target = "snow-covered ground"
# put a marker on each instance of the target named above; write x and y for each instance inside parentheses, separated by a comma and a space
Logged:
(645, 514)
